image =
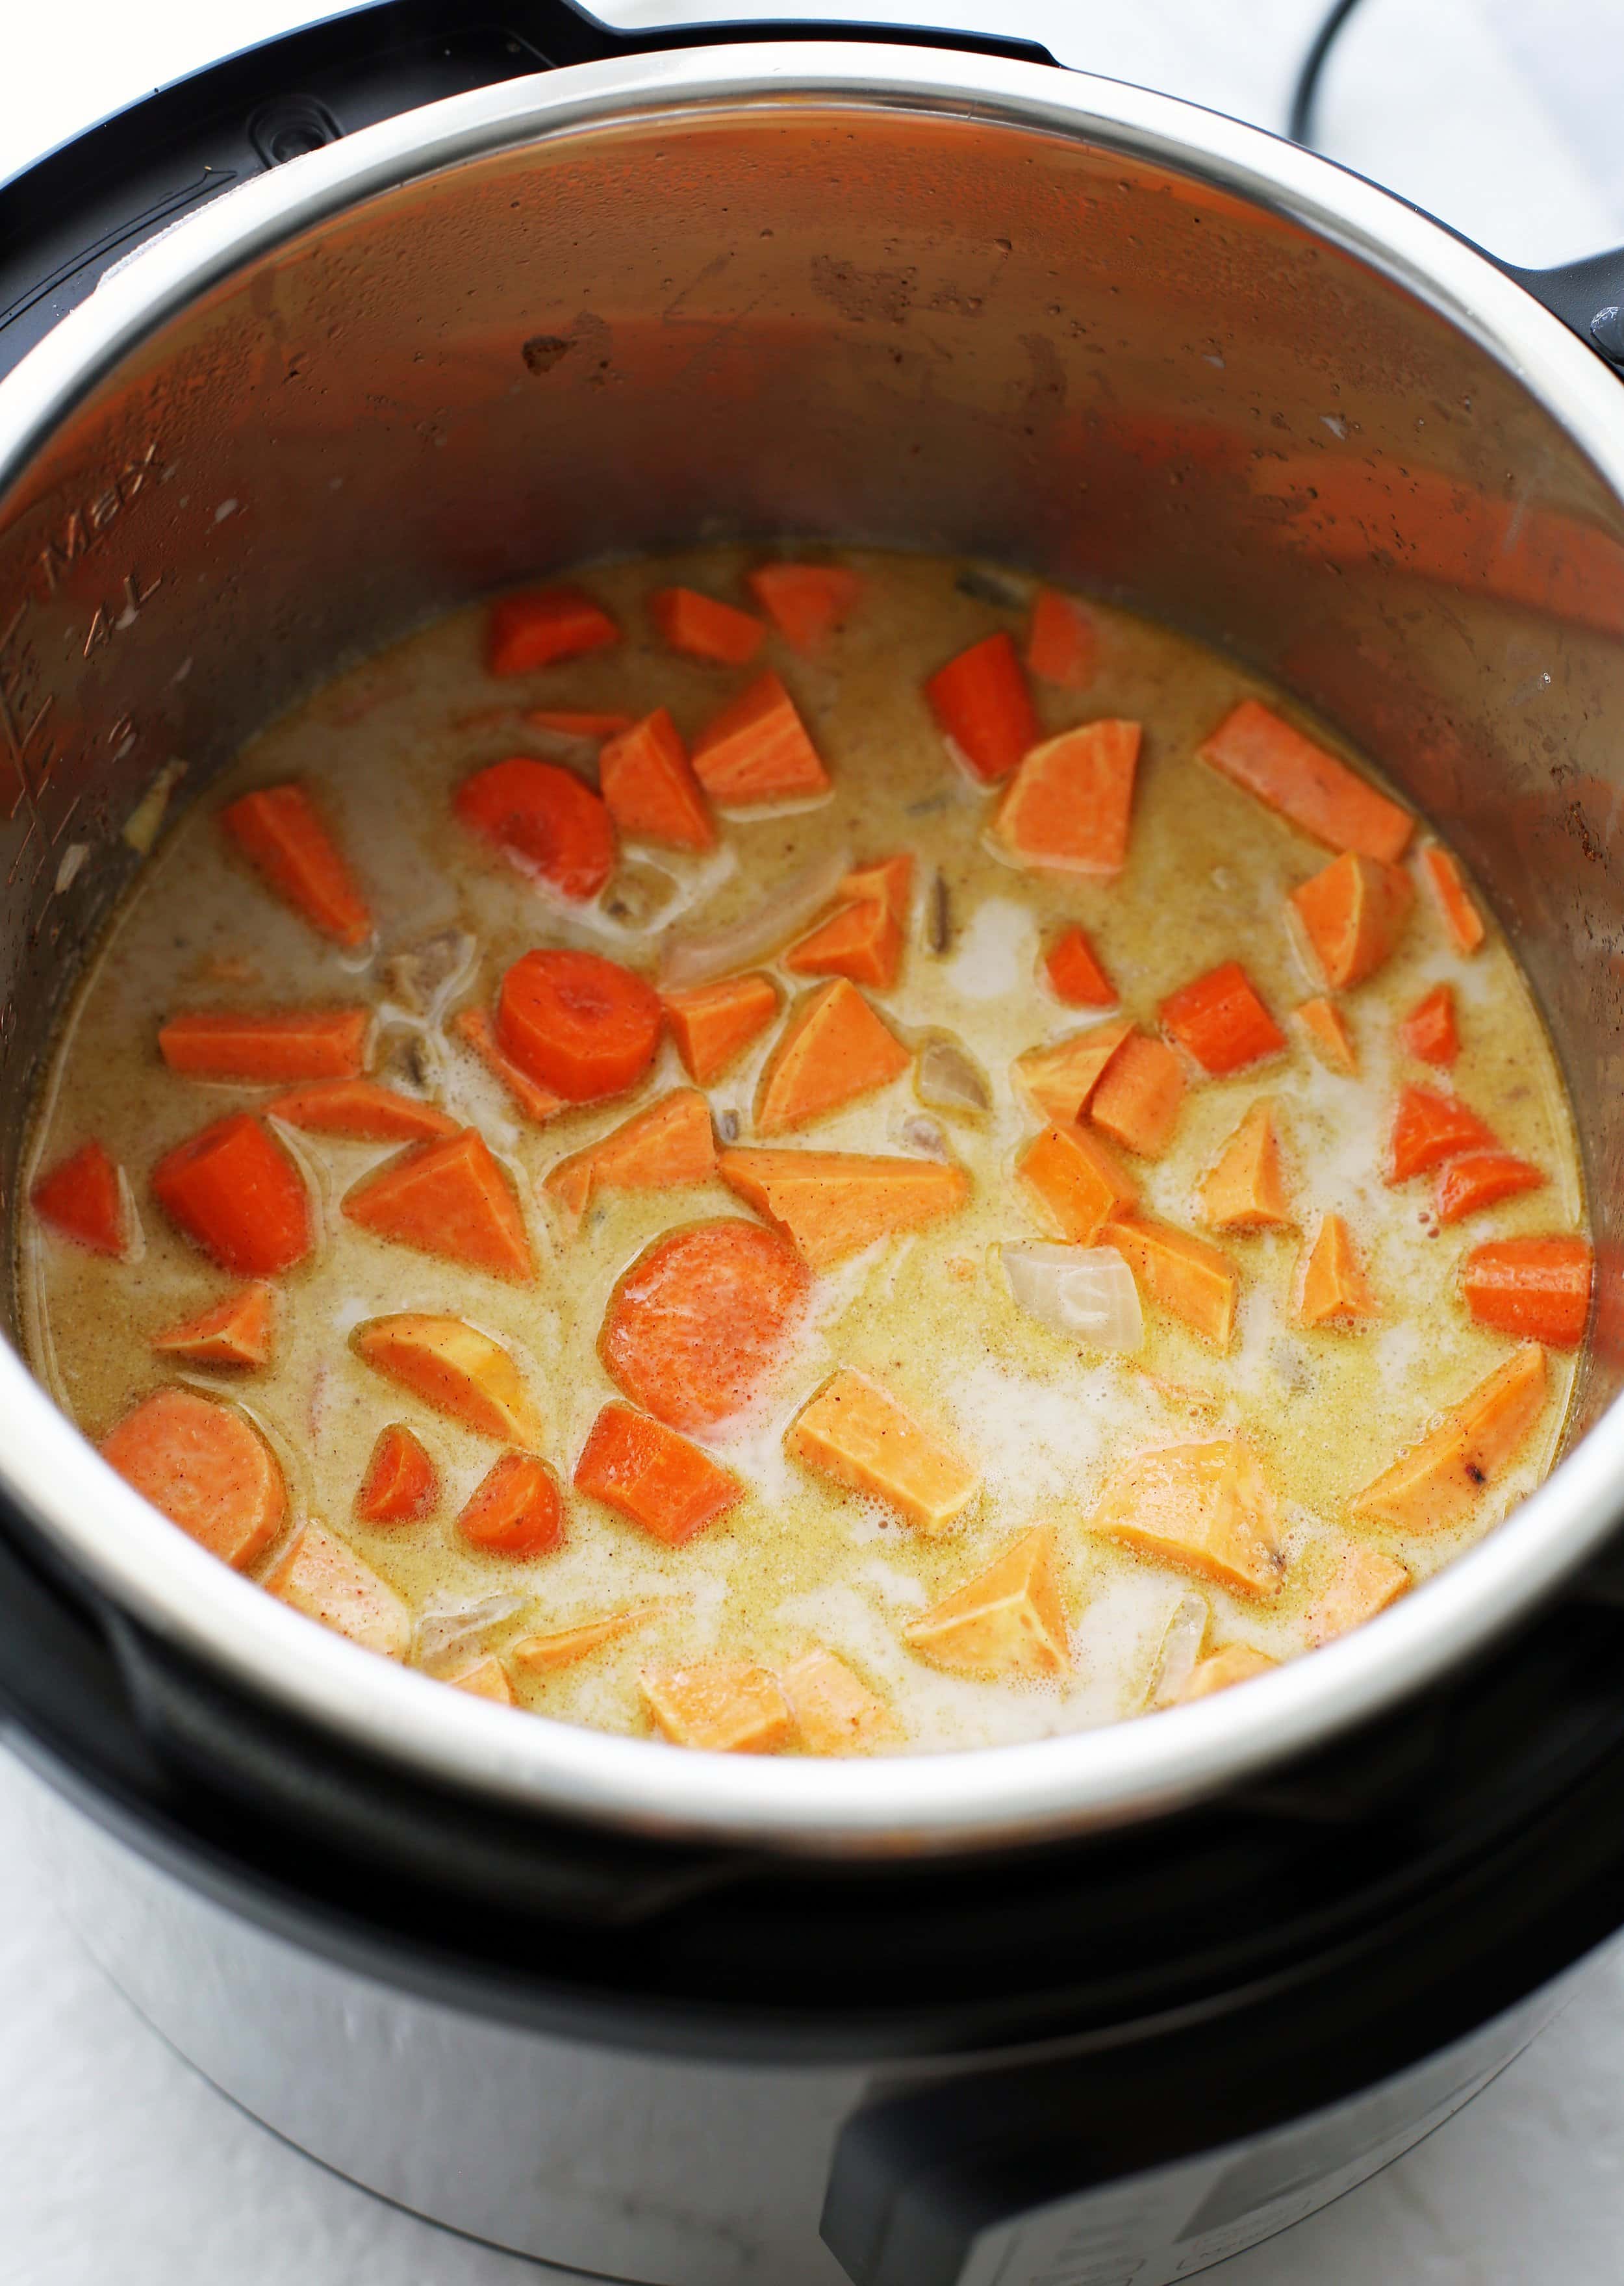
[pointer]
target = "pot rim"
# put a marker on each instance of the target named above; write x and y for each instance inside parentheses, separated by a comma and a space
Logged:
(960, 1800)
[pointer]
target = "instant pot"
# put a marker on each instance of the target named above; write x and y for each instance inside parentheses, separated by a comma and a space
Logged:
(352, 327)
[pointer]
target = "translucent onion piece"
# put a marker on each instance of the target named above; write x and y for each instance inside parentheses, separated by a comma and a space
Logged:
(424, 975)
(1087, 1291)
(699, 960)
(947, 1080)
(450, 1626)
(1186, 1631)
(638, 895)
(915, 1132)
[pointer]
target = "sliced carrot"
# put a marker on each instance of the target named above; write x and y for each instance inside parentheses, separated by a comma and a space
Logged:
(982, 705)
(1333, 1289)
(487, 1678)
(1255, 750)
(860, 941)
(1207, 1508)
(454, 1368)
(236, 1194)
(546, 624)
(1067, 808)
(1075, 974)
(276, 1046)
(1462, 917)
(278, 831)
(1538, 1289)
(701, 1321)
(1137, 1101)
(1007, 1620)
(805, 602)
(235, 1332)
(83, 1197)
(1246, 1190)
(834, 1712)
(704, 628)
(890, 878)
(1436, 1483)
(1220, 1670)
(1480, 1180)
(651, 789)
(537, 1103)
(757, 750)
(515, 1509)
(546, 1654)
(206, 1468)
(856, 1433)
(401, 1483)
(1330, 1036)
(1062, 643)
(545, 819)
(832, 1204)
(362, 1109)
(670, 1144)
(580, 1025)
(329, 1582)
(1353, 914)
(1429, 1031)
(721, 1707)
(451, 1199)
(832, 1050)
(1362, 1581)
(714, 1023)
(645, 1471)
(1177, 1273)
(1077, 1182)
(1060, 1081)
(1222, 1022)
(577, 722)
(1429, 1128)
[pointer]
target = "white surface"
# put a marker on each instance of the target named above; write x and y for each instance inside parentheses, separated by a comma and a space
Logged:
(116, 2163)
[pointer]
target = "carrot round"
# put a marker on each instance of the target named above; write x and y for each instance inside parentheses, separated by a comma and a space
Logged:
(237, 1195)
(1220, 1019)
(579, 1024)
(701, 1320)
(272, 1045)
(1536, 1288)
(515, 1509)
(648, 1473)
(1429, 1032)
(805, 602)
(401, 1483)
(279, 832)
(650, 786)
(712, 1023)
(1429, 1128)
(361, 1110)
(546, 624)
(82, 1197)
(981, 702)
(705, 628)
(1075, 974)
(205, 1468)
(544, 818)
(234, 1333)
(1479, 1179)
(449, 1198)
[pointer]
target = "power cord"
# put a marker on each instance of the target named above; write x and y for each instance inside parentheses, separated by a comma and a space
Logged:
(1299, 123)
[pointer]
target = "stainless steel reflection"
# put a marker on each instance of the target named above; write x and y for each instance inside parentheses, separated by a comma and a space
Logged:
(876, 294)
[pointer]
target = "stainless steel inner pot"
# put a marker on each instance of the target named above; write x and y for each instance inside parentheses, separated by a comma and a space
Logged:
(872, 293)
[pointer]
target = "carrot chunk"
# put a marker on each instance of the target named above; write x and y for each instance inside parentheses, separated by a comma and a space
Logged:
(1333, 1289)
(580, 1025)
(807, 602)
(853, 1431)
(1182, 1275)
(83, 1197)
(833, 1203)
(547, 1654)
(235, 1332)
(861, 942)
(660, 1149)
(1058, 1081)
(1429, 1128)
(1062, 643)
(1075, 974)
(547, 624)
(1436, 1483)
(890, 878)
(238, 1195)
(515, 1509)
(329, 1582)
(704, 628)
(702, 1321)
(1222, 1022)
(1137, 1101)
(722, 1708)
(453, 1368)
(1067, 808)
(1462, 917)
(1255, 750)
(1328, 1035)
(279, 834)
(545, 820)
(1246, 1190)
(983, 707)
(757, 750)
(714, 1023)
(1538, 1289)
(1077, 1182)
(1353, 914)
(833, 1049)
(835, 1712)
(361, 1110)
(401, 1483)
(644, 1471)
(1231, 1663)
(576, 722)
(651, 789)
(1208, 1508)
(282, 1045)
(1008, 1620)
(487, 1678)
(206, 1468)
(449, 1198)
(1429, 1031)
(1361, 1582)
(1482, 1178)
(539, 1104)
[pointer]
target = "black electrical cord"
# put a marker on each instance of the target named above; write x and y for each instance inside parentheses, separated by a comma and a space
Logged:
(1299, 124)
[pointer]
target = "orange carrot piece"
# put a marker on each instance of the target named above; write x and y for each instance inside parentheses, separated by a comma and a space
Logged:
(700, 1322)
(1333, 1289)
(453, 1368)
(704, 628)
(832, 1050)
(206, 1468)
(982, 705)
(721, 1707)
(1429, 1128)
(757, 750)
(646, 1472)
(860, 941)
(1137, 1101)
(1436, 1483)
(1265, 756)
(1361, 1583)
(580, 1025)
(650, 786)
(1008, 1620)
(1060, 1081)
(1078, 1183)
(714, 1023)
(1207, 1508)
(890, 878)
(543, 818)
(401, 1483)
(1182, 1275)
(282, 1045)
(547, 1654)
(833, 1203)
(235, 1332)
(807, 602)
(834, 1712)
(237, 1195)
(856, 1433)
(576, 722)
(318, 1575)
(1538, 1289)
(450, 1199)
(1246, 1190)
(1429, 1032)
(83, 1197)
(361, 1110)
(1480, 1180)
(515, 1509)
(1069, 806)
(1462, 918)
(538, 1104)
(546, 624)
(1221, 1669)
(1075, 974)
(1222, 1022)
(278, 831)
(1328, 1035)
(670, 1144)
(487, 1678)
(1353, 914)
(1062, 643)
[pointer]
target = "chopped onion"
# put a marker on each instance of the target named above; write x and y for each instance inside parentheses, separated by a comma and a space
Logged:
(452, 1625)
(424, 975)
(1087, 1291)
(915, 1132)
(947, 1080)
(1186, 1632)
(698, 959)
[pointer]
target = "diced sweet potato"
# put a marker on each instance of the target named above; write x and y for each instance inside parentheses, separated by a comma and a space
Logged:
(702, 1321)
(1075, 974)
(861, 941)
(1328, 1035)
(1077, 1181)
(833, 1049)
(890, 878)
(714, 1023)
(705, 627)
(1246, 1190)
(1177, 1273)
(361, 1110)
(1256, 749)
(1208, 1509)
(1221, 1021)
(807, 602)
(265, 1047)
(832, 1204)
(401, 1483)
(487, 1678)
(853, 1431)
(834, 1712)
(644, 1470)
(515, 1509)
(757, 751)
(234, 1333)
(454, 1369)
(206, 1468)
(669, 1144)
(1231, 1663)
(1438, 1482)
(1333, 1289)
(83, 1197)
(1538, 1289)
(1480, 1180)
(547, 1654)
(1357, 1582)
(1462, 918)
(451, 1199)
(1429, 1128)
(1069, 806)
(1138, 1099)
(1008, 1622)
(650, 787)
(1060, 1080)
(1429, 1032)
(538, 1103)
(1353, 915)
(723, 1707)
(327, 1581)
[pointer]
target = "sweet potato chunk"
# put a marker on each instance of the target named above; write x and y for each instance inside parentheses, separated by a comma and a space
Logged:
(1077, 1182)
(714, 1023)
(1480, 1180)
(644, 1470)
(327, 1581)
(206, 1468)
(1462, 918)
(234, 1333)
(1067, 808)
(757, 750)
(487, 1678)
(1231, 1663)
(1060, 1080)
(833, 1049)
(1208, 1509)
(853, 1431)
(454, 1369)
(401, 1483)
(807, 602)
(834, 1712)
(1359, 1583)
(890, 878)
(1007, 1621)
(650, 787)
(1328, 1035)
(547, 1654)
(1075, 974)
(1438, 1482)
(1334, 1290)
(1138, 1099)
(703, 628)
(832, 1204)
(1256, 750)
(861, 942)
(1246, 1190)
(1429, 1032)
(663, 1148)
(515, 1509)
(451, 1199)
(361, 1110)
(1429, 1128)
(1221, 1021)
(1353, 914)
(726, 1708)
(1180, 1275)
